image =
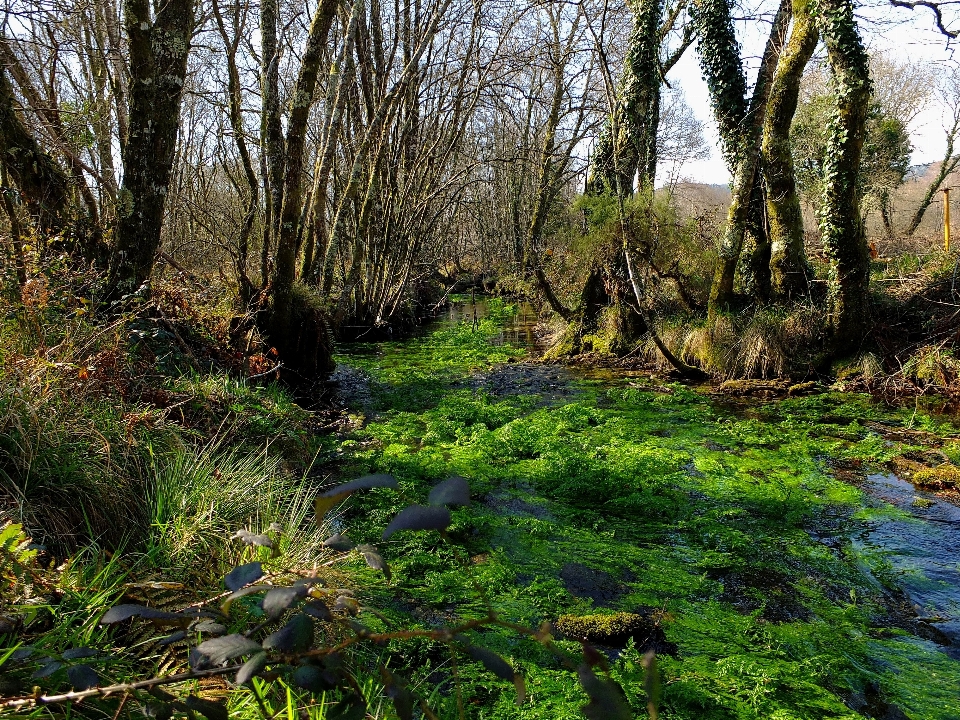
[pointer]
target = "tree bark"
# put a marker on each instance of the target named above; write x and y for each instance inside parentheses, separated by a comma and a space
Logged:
(285, 269)
(788, 262)
(16, 239)
(271, 131)
(44, 187)
(231, 45)
(159, 45)
(628, 143)
(740, 137)
(840, 222)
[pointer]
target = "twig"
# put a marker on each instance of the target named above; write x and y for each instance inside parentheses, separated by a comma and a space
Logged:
(34, 700)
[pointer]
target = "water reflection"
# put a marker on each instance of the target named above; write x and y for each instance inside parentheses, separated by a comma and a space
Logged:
(923, 550)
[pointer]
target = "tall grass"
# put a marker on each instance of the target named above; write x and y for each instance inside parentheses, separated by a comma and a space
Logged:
(70, 456)
(198, 498)
(765, 343)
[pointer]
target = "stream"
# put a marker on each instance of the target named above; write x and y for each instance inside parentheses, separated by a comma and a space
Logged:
(770, 585)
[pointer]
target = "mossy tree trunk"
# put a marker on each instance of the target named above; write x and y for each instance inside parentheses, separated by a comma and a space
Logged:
(740, 122)
(159, 43)
(840, 221)
(788, 261)
(285, 268)
(628, 143)
(43, 185)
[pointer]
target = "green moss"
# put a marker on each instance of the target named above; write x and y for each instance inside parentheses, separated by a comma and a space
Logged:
(605, 629)
(940, 477)
(619, 496)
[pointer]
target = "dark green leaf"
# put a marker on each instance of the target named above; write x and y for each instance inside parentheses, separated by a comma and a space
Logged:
(419, 517)
(243, 592)
(318, 609)
(119, 613)
(607, 701)
(353, 709)
(79, 653)
(295, 636)
(312, 678)
(327, 499)
(374, 559)
(251, 668)
(198, 661)
(210, 627)
(398, 692)
(47, 670)
(340, 543)
(243, 575)
(208, 708)
(347, 604)
(492, 662)
(174, 637)
(454, 490)
(278, 600)
(362, 483)
(82, 677)
(221, 649)
(22, 653)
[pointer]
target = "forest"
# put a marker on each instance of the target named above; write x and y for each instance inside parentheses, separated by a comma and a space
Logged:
(490, 359)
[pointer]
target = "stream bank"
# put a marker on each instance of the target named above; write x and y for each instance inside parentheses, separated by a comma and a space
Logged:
(773, 587)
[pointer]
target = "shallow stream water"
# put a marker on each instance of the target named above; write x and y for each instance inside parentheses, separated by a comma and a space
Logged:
(722, 563)
(922, 549)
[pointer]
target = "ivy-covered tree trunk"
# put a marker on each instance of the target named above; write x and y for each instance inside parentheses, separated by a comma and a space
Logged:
(840, 221)
(788, 261)
(628, 143)
(43, 185)
(739, 122)
(159, 42)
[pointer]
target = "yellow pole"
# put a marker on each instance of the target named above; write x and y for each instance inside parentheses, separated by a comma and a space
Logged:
(946, 219)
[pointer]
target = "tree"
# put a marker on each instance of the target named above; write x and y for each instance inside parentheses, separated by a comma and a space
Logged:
(948, 95)
(886, 150)
(841, 223)
(788, 263)
(159, 37)
(628, 143)
(740, 120)
(42, 183)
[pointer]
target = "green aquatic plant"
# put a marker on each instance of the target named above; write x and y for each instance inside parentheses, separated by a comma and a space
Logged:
(623, 495)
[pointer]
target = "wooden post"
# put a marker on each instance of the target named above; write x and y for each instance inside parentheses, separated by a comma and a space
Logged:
(946, 219)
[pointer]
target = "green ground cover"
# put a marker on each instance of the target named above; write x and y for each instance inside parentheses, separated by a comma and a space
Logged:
(722, 526)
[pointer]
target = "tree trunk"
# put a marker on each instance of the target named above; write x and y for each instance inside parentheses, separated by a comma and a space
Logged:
(16, 239)
(788, 261)
(43, 186)
(158, 68)
(840, 221)
(271, 130)
(285, 269)
(629, 141)
(337, 98)
(720, 59)
(231, 45)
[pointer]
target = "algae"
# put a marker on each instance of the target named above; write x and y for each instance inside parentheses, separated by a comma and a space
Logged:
(732, 520)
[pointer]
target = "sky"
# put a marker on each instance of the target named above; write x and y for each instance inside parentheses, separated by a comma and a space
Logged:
(902, 33)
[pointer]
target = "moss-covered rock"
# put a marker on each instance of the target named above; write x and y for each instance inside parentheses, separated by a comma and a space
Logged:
(605, 629)
(941, 477)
